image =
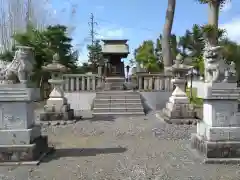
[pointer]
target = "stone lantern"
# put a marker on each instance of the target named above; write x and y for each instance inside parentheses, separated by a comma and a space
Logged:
(56, 107)
(178, 108)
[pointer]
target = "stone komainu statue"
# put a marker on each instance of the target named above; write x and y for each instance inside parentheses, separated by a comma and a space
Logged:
(211, 57)
(21, 67)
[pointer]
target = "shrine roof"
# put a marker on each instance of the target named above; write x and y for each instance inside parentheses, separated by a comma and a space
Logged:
(115, 41)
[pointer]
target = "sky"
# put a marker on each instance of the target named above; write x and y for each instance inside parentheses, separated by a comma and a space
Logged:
(135, 20)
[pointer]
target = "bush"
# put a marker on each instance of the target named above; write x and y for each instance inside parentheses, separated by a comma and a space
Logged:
(194, 99)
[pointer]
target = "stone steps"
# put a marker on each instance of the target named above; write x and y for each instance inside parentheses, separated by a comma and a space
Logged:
(117, 97)
(118, 103)
(112, 109)
(119, 113)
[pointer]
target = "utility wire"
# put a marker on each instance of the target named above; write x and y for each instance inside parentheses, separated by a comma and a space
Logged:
(110, 22)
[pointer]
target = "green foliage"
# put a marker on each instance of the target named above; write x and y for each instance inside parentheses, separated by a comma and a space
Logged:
(193, 43)
(173, 44)
(209, 31)
(7, 56)
(146, 55)
(231, 52)
(95, 54)
(193, 98)
(220, 3)
(46, 43)
(198, 64)
(84, 68)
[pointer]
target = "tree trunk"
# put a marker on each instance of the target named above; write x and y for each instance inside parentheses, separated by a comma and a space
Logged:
(166, 48)
(213, 16)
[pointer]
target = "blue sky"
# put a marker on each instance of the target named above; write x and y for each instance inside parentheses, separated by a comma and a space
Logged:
(136, 20)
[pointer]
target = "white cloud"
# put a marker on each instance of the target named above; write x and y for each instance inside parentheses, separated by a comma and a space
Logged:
(233, 29)
(107, 33)
(227, 6)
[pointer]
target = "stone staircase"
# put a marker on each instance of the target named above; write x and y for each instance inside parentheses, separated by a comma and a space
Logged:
(118, 103)
(115, 83)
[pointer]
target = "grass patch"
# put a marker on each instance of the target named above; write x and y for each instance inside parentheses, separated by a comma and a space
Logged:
(194, 99)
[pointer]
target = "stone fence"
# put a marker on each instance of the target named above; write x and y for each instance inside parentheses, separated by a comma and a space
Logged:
(153, 82)
(81, 82)
(90, 82)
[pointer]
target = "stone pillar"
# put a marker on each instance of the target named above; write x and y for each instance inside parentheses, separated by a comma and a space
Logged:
(156, 83)
(145, 83)
(100, 70)
(83, 83)
(140, 81)
(218, 134)
(77, 84)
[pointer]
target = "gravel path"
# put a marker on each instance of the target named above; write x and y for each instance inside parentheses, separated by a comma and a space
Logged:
(124, 148)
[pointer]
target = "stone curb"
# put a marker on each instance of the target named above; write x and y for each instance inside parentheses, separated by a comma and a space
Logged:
(58, 123)
(178, 122)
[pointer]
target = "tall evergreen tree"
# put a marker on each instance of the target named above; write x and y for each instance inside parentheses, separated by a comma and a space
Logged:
(95, 55)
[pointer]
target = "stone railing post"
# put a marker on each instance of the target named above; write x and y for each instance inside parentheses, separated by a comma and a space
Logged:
(83, 83)
(72, 84)
(156, 83)
(99, 81)
(140, 82)
(88, 83)
(66, 84)
(93, 83)
(145, 83)
(150, 83)
(166, 83)
(77, 84)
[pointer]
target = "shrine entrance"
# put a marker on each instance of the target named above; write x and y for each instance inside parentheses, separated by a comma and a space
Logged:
(113, 51)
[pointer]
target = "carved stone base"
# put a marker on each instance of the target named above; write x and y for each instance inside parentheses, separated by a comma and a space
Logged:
(216, 149)
(54, 116)
(24, 153)
(179, 113)
(175, 120)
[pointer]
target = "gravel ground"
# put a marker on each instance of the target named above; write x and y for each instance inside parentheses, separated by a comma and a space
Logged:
(123, 148)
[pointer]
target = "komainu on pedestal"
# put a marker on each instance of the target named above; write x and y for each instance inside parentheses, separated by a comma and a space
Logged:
(20, 137)
(218, 137)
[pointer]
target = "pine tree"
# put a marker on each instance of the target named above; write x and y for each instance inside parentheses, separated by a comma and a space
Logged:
(95, 55)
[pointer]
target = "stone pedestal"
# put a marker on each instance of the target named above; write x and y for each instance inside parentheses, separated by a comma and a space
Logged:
(178, 109)
(57, 107)
(218, 134)
(20, 137)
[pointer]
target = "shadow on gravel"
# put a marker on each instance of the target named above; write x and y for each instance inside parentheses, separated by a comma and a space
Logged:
(99, 118)
(78, 152)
